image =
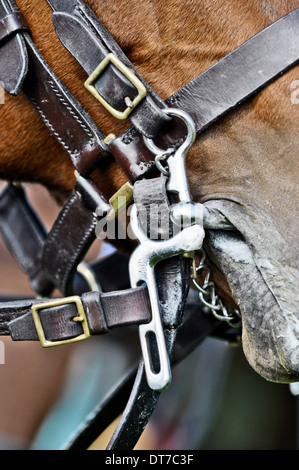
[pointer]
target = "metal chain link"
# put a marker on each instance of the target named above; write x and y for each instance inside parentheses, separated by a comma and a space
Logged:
(208, 296)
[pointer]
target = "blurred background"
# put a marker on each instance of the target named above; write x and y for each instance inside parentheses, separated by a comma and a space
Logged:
(215, 402)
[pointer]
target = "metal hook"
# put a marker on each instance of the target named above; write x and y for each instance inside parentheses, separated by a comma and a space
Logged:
(177, 181)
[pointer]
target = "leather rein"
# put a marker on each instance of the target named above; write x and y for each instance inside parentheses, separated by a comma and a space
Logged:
(151, 292)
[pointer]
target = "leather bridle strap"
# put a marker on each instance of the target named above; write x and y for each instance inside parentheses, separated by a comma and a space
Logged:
(225, 85)
(73, 233)
(173, 284)
(40, 255)
(196, 327)
(221, 88)
(12, 23)
(60, 112)
(24, 235)
(55, 321)
(172, 277)
(78, 23)
(13, 57)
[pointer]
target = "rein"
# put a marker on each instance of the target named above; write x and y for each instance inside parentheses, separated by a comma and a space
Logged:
(170, 227)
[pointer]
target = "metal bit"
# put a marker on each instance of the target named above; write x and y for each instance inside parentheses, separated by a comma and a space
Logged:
(141, 269)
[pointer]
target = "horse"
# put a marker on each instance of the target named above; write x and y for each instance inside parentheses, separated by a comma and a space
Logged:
(244, 166)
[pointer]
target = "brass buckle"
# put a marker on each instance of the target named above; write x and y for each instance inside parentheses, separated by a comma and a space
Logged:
(81, 317)
(128, 73)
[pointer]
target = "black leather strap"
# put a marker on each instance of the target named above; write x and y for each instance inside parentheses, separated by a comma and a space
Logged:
(13, 56)
(196, 328)
(104, 311)
(173, 277)
(221, 88)
(11, 24)
(241, 73)
(73, 233)
(24, 236)
(89, 42)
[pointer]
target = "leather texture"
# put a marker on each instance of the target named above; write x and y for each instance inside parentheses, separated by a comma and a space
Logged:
(208, 97)
(81, 26)
(24, 236)
(12, 23)
(61, 112)
(16, 318)
(13, 57)
(222, 87)
(241, 73)
(73, 233)
(196, 328)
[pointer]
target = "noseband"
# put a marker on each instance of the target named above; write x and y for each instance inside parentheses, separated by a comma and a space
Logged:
(148, 290)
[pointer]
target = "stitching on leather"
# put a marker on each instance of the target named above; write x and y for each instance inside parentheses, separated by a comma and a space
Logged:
(71, 111)
(51, 240)
(73, 153)
(85, 18)
(78, 250)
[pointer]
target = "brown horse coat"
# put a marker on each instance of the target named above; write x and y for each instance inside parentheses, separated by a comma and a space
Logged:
(246, 166)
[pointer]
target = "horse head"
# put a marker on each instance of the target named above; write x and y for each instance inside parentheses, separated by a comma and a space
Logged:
(243, 167)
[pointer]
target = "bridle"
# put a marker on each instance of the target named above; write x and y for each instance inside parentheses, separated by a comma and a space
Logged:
(152, 292)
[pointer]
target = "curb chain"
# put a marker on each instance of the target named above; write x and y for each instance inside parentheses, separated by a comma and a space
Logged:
(208, 296)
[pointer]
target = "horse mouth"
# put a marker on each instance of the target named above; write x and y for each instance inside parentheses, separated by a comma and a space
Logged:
(264, 280)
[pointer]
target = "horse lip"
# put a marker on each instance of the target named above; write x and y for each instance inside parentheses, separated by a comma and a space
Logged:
(266, 288)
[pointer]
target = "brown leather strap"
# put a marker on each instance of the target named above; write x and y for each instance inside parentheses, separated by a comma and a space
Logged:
(24, 236)
(61, 112)
(12, 23)
(222, 87)
(195, 329)
(56, 105)
(89, 42)
(135, 158)
(132, 307)
(13, 56)
(73, 233)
